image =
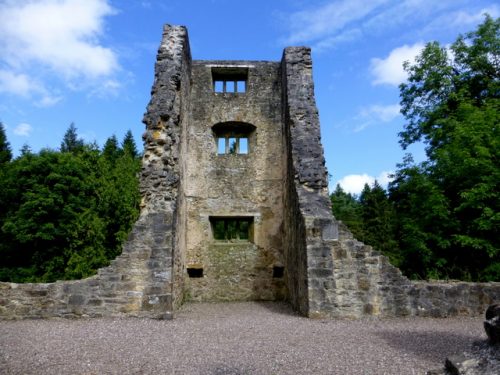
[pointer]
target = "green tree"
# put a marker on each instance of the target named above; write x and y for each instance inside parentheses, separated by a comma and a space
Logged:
(451, 103)
(378, 219)
(346, 207)
(71, 142)
(68, 213)
(129, 146)
(5, 151)
(111, 150)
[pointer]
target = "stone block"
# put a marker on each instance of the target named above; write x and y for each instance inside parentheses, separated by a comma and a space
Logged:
(77, 299)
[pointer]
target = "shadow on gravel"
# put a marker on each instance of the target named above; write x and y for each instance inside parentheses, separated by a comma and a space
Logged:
(282, 308)
(428, 345)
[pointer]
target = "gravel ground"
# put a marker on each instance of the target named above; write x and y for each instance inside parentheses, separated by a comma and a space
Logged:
(233, 338)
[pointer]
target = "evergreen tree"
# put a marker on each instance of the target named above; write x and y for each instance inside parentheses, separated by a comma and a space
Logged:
(346, 207)
(378, 219)
(68, 213)
(111, 150)
(26, 149)
(5, 151)
(71, 142)
(128, 145)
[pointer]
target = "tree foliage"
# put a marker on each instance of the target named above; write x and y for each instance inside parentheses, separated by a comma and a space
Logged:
(71, 142)
(449, 206)
(441, 218)
(370, 217)
(5, 151)
(346, 207)
(65, 213)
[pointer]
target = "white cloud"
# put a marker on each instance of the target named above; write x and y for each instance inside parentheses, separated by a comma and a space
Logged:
(461, 19)
(17, 84)
(376, 114)
(48, 100)
(325, 21)
(22, 85)
(354, 183)
(53, 39)
(332, 41)
(328, 24)
(390, 70)
(23, 130)
(383, 113)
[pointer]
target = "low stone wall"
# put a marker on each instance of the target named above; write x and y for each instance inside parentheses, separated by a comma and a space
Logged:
(443, 299)
(365, 283)
(137, 283)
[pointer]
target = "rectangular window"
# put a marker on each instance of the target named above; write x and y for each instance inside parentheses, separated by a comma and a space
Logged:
(232, 145)
(230, 86)
(243, 146)
(231, 229)
(241, 86)
(219, 86)
(231, 80)
(221, 146)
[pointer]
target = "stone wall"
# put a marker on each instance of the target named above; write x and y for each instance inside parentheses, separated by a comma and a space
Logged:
(329, 272)
(310, 229)
(134, 284)
(139, 281)
(232, 185)
(367, 284)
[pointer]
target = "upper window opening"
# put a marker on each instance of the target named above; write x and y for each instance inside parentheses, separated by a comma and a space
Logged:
(230, 80)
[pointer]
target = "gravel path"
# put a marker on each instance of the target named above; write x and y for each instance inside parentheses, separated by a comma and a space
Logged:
(233, 338)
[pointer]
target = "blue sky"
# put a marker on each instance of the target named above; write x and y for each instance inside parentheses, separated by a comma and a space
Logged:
(91, 62)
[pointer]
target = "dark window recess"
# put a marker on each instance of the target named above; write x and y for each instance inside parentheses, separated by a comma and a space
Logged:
(229, 80)
(232, 229)
(278, 272)
(195, 272)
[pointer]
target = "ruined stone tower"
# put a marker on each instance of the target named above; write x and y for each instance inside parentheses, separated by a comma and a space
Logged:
(233, 162)
(235, 207)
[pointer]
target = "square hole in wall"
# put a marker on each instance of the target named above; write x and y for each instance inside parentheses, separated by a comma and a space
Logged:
(194, 273)
(278, 272)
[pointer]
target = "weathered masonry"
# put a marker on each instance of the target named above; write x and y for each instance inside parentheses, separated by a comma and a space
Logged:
(235, 207)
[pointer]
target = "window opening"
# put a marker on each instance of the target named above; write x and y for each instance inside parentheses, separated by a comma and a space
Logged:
(221, 146)
(195, 272)
(232, 80)
(243, 145)
(233, 146)
(230, 86)
(219, 86)
(232, 229)
(278, 272)
(241, 86)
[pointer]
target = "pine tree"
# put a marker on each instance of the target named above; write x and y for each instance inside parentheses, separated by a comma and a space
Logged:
(128, 145)
(5, 151)
(71, 142)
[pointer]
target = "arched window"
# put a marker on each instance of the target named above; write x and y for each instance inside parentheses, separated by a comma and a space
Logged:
(233, 137)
